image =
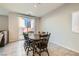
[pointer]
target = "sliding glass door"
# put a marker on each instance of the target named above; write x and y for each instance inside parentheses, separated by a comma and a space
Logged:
(26, 24)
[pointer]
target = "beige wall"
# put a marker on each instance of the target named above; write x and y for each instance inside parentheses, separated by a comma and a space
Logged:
(3, 22)
(59, 23)
(13, 27)
(37, 25)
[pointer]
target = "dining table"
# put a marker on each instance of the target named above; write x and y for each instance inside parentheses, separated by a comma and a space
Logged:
(36, 40)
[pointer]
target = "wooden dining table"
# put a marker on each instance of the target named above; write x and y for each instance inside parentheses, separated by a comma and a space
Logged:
(35, 40)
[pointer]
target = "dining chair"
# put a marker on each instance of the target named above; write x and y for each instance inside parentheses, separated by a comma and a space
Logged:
(42, 44)
(27, 43)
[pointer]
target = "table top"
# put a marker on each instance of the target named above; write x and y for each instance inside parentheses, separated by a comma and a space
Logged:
(35, 37)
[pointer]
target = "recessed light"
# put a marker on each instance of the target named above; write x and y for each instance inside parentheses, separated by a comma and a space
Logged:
(35, 5)
(30, 12)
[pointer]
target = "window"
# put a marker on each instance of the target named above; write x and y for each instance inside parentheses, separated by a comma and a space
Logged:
(75, 22)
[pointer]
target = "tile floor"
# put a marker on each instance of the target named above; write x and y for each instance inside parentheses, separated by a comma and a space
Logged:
(17, 49)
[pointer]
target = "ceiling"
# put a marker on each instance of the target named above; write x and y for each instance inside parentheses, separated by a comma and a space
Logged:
(35, 9)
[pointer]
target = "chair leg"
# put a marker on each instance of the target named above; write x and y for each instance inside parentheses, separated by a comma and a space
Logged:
(25, 46)
(47, 51)
(33, 52)
(40, 52)
(27, 51)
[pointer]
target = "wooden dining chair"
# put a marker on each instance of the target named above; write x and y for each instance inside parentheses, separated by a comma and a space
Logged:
(27, 43)
(42, 44)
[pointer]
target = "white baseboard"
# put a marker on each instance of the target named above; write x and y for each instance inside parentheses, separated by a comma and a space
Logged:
(65, 47)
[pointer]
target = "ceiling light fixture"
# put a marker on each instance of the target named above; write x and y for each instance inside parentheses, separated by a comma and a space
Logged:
(36, 5)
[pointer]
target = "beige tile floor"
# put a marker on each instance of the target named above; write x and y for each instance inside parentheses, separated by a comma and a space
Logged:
(16, 49)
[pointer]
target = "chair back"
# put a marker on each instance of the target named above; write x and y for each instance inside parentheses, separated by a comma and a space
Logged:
(46, 37)
(43, 43)
(25, 36)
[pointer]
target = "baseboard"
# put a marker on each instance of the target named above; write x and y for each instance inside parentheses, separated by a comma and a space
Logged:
(65, 47)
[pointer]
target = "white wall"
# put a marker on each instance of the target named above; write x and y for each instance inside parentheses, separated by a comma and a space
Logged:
(3, 22)
(59, 23)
